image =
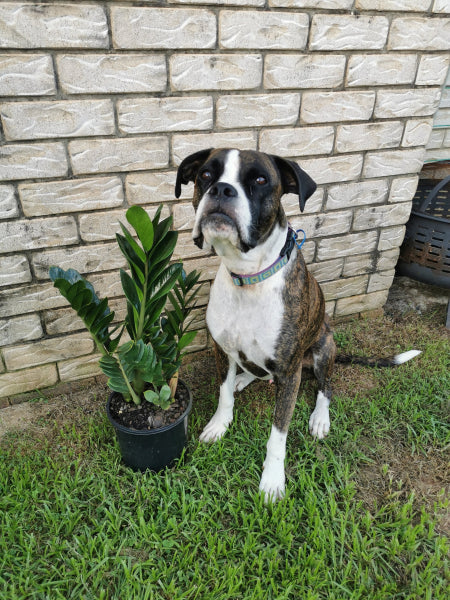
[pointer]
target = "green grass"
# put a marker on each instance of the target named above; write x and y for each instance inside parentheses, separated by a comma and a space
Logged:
(76, 524)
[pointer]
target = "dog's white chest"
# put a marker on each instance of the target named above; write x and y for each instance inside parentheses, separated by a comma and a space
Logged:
(246, 323)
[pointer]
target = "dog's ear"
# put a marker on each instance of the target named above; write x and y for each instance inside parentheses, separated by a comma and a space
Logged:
(295, 180)
(188, 169)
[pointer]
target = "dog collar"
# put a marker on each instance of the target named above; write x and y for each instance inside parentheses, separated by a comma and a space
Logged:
(281, 261)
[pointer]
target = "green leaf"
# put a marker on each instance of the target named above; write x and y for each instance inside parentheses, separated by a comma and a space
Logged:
(132, 293)
(142, 224)
(186, 339)
(133, 253)
(151, 396)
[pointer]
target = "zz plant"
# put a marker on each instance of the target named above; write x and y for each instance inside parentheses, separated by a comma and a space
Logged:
(159, 298)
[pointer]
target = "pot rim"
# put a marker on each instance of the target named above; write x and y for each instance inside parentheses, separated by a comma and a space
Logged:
(157, 430)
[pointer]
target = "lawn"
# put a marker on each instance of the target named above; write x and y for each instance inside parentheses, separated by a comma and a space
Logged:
(364, 516)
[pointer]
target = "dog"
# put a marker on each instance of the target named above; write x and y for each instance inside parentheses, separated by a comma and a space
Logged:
(266, 312)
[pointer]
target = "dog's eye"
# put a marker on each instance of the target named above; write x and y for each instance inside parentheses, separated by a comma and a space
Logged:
(206, 175)
(261, 180)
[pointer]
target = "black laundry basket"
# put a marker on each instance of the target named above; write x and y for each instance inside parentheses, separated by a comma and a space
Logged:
(425, 253)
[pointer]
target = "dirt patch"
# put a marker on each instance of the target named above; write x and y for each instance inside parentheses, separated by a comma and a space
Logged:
(396, 473)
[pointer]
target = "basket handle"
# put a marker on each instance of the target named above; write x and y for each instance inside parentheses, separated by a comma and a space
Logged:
(433, 192)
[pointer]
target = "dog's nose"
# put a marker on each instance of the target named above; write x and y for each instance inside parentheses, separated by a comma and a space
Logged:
(222, 190)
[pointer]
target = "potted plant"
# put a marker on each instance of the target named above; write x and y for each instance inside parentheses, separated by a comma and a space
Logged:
(148, 406)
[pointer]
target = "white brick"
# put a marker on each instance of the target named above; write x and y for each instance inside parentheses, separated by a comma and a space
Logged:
(26, 75)
(322, 4)
(183, 216)
(441, 6)
(32, 379)
(263, 30)
(314, 204)
(324, 107)
(8, 203)
(79, 368)
(111, 73)
(148, 27)
(406, 103)
(397, 5)
(347, 245)
(75, 195)
(151, 187)
(381, 69)
(221, 2)
(357, 194)
(186, 248)
(257, 111)
(29, 298)
(391, 237)
(327, 270)
(301, 141)
(37, 233)
(403, 189)
(64, 320)
(206, 266)
(380, 281)
(66, 25)
(127, 154)
(30, 161)
(394, 162)
(359, 264)
(41, 120)
(190, 72)
(184, 145)
(348, 32)
(432, 69)
(388, 260)
(368, 136)
(342, 288)
(419, 33)
(85, 259)
(417, 133)
(45, 351)
(379, 216)
(20, 329)
(323, 225)
(96, 227)
(152, 115)
(299, 71)
(334, 168)
(362, 303)
(14, 269)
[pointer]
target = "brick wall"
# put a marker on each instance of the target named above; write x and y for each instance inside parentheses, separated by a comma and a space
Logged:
(100, 101)
(438, 148)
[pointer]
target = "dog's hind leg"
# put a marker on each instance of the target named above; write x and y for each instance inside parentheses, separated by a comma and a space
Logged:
(217, 426)
(243, 380)
(324, 353)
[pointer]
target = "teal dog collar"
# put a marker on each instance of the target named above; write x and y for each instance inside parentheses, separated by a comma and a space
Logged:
(281, 261)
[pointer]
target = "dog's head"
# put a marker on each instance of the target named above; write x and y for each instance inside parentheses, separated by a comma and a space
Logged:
(237, 194)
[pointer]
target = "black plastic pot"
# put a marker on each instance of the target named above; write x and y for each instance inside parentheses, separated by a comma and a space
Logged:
(153, 449)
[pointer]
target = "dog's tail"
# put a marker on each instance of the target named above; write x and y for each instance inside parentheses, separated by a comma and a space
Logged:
(391, 361)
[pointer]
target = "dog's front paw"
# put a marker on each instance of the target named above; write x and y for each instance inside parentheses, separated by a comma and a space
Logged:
(319, 422)
(272, 483)
(215, 429)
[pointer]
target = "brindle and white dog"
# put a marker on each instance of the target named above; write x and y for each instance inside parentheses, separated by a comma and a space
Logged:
(266, 311)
